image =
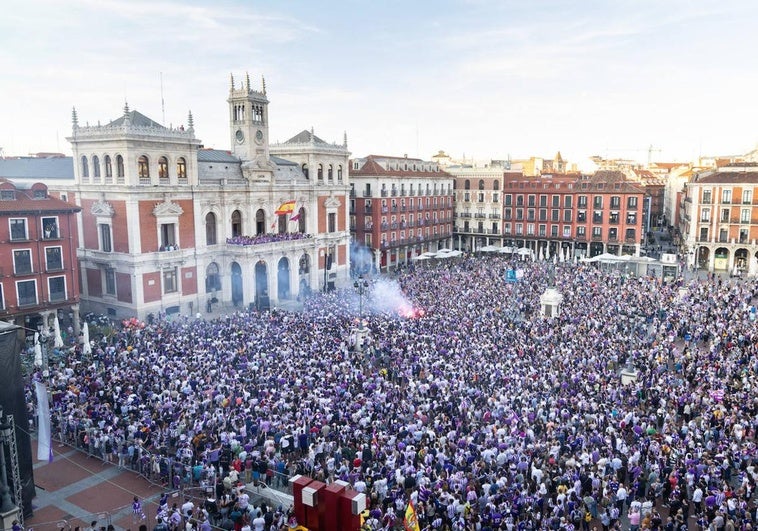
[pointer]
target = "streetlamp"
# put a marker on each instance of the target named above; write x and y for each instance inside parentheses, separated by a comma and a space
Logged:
(361, 285)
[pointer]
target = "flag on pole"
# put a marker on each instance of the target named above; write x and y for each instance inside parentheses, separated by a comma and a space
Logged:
(285, 208)
(410, 522)
(44, 442)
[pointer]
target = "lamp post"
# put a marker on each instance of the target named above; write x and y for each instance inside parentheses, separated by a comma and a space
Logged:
(361, 285)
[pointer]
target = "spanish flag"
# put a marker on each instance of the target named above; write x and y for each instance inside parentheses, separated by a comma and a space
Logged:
(285, 208)
(410, 522)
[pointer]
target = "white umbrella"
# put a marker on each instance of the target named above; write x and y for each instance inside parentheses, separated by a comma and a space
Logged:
(37, 351)
(86, 347)
(58, 341)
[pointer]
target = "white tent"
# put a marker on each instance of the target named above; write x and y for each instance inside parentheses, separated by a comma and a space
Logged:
(506, 250)
(524, 251)
(420, 257)
(451, 254)
(490, 249)
(58, 339)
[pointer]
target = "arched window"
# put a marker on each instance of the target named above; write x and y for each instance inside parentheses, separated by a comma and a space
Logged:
(496, 185)
(181, 169)
(467, 185)
(108, 169)
(212, 278)
(260, 222)
(481, 184)
(120, 168)
(210, 228)
(96, 167)
(330, 173)
(163, 169)
(339, 172)
(143, 169)
(320, 172)
(305, 170)
(236, 223)
(85, 168)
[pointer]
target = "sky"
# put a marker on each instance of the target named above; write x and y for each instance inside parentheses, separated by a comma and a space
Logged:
(480, 79)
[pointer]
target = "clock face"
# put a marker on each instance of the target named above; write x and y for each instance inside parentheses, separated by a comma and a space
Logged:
(259, 136)
(240, 136)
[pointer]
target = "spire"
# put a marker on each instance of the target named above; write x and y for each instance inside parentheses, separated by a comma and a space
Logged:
(344, 139)
(231, 81)
(311, 133)
(127, 116)
(190, 121)
(247, 82)
(126, 107)
(74, 118)
(263, 79)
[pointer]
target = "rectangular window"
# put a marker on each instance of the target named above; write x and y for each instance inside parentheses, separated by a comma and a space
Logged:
(2, 298)
(556, 201)
(50, 228)
(615, 201)
(507, 228)
(105, 237)
(7, 195)
(22, 261)
(567, 216)
(582, 201)
(568, 201)
(747, 197)
(110, 281)
(530, 214)
(567, 231)
(745, 215)
(467, 197)
(542, 230)
(613, 234)
(631, 218)
(332, 222)
(705, 215)
(554, 231)
(507, 213)
(543, 201)
(707, 197)
(532, 199)
(581, 216)
(530, 229)
(53, 258)
(631, 235)
(519, 229)
(519, 200)
(168, 236)
(581, 231)
(597, 232)
(495, 197)
(481, 197)
(725, 215)
(519, 213)
(507, 199)
(169, 281)
(597, 216)
(631, 202)
(555, 215)
(726, 196)
(26, 292)
(18, 229)
(597, 201)
(543, 214)
(56, 288)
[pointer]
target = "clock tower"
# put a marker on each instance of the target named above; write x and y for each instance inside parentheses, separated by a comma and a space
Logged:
(248, 122)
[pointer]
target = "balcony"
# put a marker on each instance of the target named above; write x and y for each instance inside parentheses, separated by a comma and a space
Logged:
(494, 216)
(383, 193)
(385, 226)
(385, 209)
(393, 192)
(368, 226)
(480, 215)
(367, 193)
(464, 215)
(352, 193)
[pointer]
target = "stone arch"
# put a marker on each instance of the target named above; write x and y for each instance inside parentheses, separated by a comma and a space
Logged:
(237, 292)
(283, 279)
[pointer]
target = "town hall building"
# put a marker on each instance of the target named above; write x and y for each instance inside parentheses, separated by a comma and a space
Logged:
(168, 226)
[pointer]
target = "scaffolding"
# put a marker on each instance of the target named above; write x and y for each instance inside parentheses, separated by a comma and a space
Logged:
(15, 474)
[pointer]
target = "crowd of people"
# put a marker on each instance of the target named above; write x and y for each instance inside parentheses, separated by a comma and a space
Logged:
(267, 238)
(484, 413)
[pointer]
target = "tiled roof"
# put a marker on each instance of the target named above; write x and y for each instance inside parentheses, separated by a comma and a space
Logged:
(215, 155)
(305, 137)
(138, 119)
(24, 202)
(729, 177)
(60, 168)
(282, 162)
(371, 167)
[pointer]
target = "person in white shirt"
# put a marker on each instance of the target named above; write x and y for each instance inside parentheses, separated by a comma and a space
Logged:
(259, 522)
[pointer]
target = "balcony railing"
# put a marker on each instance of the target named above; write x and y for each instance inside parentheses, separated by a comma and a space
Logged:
(367, 193)
(383, 193)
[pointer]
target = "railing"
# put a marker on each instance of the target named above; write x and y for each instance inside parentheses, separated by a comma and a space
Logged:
(383, 193)
(494, 216)
(367, 193)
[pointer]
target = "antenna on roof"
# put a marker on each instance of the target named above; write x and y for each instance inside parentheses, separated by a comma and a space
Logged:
(163, 106)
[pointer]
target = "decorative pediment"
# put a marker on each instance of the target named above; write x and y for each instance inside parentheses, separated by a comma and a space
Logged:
(166, 209)
(332, 202)
(102, 209)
